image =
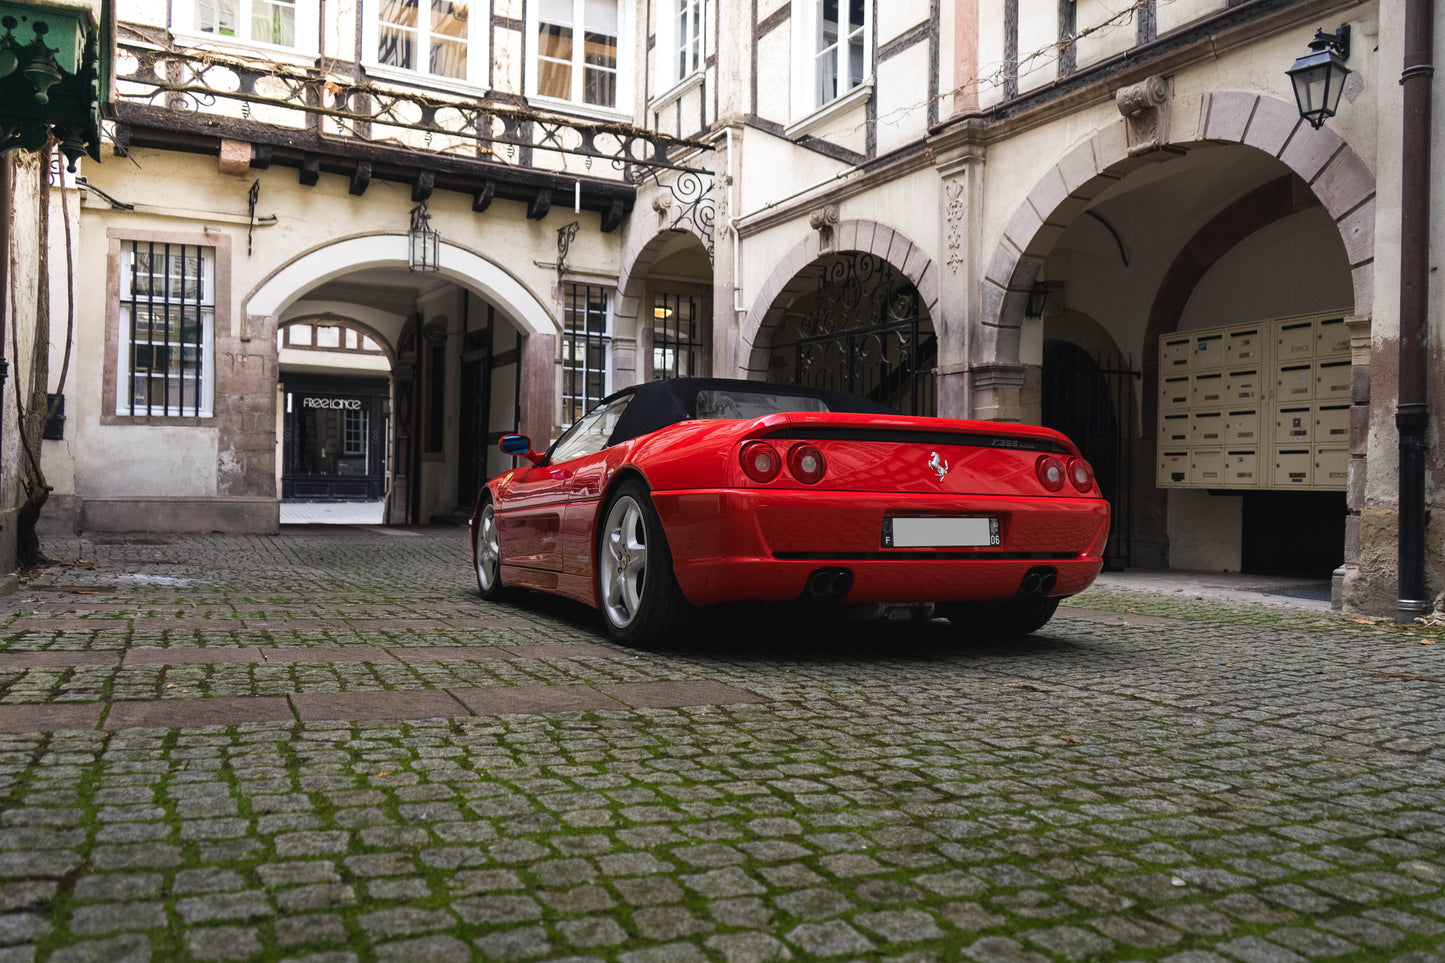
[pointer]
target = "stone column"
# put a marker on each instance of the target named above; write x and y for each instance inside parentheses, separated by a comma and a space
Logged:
(960, 171)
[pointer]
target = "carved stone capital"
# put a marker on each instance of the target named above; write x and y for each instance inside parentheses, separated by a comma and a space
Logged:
(1145, 107)
(823, 217)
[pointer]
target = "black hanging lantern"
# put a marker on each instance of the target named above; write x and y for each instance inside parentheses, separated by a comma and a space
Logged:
(1319, 76)
(425, 244)
(1038, 295)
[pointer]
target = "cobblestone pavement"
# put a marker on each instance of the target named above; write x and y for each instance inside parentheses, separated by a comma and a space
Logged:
(323, 746)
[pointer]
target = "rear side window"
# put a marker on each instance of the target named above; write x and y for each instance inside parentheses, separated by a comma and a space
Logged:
(715, 403)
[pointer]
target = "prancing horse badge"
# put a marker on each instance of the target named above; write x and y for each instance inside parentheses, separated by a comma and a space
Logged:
(939, 466)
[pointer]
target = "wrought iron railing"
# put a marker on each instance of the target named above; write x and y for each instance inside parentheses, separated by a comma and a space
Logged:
(296, 98)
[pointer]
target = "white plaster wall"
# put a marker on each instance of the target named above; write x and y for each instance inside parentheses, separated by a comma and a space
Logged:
(1180, 13)
(1205, 531)
(899, 16)
(902, 94)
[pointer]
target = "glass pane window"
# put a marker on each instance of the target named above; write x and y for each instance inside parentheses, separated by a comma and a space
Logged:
(567, 70)
(433, 41)
(840, 48)
(167, 313)
(258, 21)
(688, 35)
(586, 349)
(676, 337)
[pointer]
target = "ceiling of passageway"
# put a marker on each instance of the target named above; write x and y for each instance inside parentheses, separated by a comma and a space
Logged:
(1159, 207)
(393, 290)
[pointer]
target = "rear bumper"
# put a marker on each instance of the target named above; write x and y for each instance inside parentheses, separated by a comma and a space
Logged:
(748, 544)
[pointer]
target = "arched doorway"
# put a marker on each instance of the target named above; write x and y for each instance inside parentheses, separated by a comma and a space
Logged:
(335, 410)
(860, 326)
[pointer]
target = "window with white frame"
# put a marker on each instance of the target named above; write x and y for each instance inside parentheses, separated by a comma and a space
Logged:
(577, 55)
(167, 321)
(278, 23)
(834, 52)
(424, 36)
(586, 349)
(687, 37)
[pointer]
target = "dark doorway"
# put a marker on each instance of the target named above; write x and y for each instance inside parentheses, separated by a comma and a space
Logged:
(1091, 400)
(334, 439)
(1297, 534)
(476, 391)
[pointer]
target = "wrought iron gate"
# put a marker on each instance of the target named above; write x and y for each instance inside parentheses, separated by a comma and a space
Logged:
(866, 334)
(1092, 401)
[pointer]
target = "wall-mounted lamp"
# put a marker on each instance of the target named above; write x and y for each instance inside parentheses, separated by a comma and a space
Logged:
(662, 311)
(1319, 76)
(1038, 294)
(425, 244)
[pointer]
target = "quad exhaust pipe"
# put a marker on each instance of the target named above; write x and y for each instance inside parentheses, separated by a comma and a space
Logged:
(1038, 581)
(828, 583)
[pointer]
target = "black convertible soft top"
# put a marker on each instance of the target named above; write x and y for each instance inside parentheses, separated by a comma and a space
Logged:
(658, 404)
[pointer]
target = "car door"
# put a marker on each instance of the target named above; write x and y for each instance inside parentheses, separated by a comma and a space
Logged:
(529, 525)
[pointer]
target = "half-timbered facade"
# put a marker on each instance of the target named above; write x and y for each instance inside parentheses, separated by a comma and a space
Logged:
(1023, 209)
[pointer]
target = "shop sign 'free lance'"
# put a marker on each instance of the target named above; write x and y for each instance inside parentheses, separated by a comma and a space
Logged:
(348, 404)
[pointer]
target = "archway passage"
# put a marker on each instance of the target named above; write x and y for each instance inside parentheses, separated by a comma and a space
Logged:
(859, 326)
(1091, 400)
(335, 411)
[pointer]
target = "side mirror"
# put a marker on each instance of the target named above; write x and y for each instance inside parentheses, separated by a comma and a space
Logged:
(520, 446)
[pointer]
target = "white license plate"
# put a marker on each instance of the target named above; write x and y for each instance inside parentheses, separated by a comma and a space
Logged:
(940, 532)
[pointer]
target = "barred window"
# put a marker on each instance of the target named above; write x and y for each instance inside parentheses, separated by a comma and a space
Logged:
(586, 349)
(676, 337)
(167, 315)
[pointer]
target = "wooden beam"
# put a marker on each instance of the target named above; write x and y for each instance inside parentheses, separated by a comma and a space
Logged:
(482, 199)
(613, 216)
(421, 190)
(361, 178)
(261, 156)
(310, 170)
(540, 205)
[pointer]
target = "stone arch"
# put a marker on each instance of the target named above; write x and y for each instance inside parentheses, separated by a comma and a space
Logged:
(637, 262)
(460, 265)
(1338, 177)
(869, 237)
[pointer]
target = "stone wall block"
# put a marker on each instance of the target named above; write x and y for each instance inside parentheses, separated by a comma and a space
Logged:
(928, 288)
(1111, 145)
(1363, 278)
(1273, 123)
(1049, 193)
(1228, 114)
(1001, 269)
(1078, 167)
(1309, 150)
(847, 236)
(1344, 184)
(1023, 225)
(1360, 428)
(1357, 230)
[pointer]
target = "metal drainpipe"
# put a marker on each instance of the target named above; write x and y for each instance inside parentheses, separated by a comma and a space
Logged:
(1411, 411)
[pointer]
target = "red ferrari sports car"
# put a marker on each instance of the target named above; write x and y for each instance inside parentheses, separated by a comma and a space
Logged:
(676, 495)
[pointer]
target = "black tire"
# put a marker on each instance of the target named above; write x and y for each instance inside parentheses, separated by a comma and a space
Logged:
(1015, 617)
(642, 605)
(487, 556)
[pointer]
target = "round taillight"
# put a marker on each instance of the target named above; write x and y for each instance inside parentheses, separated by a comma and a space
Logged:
(1081, 475)
(806, 463)
(1051, 472)
(761, 461)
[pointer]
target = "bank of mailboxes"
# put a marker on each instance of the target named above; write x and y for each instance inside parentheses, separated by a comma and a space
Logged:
(1262, 405)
